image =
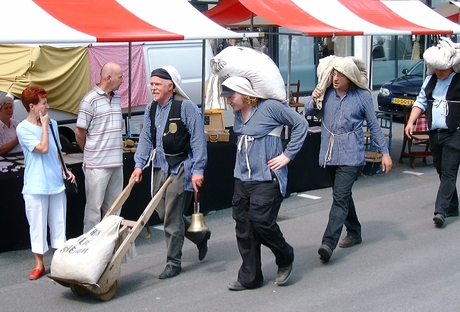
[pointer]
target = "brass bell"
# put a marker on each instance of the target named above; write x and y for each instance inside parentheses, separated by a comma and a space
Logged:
(197, 223)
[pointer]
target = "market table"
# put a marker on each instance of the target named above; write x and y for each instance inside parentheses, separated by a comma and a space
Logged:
(216, 193)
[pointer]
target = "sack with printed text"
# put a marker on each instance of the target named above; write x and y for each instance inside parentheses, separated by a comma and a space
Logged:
(85, 258)
(256, 66)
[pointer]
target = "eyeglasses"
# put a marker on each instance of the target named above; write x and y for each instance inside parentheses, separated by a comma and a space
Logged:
(337, 74)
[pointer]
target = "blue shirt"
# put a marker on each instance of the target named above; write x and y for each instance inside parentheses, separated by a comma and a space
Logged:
(256, 146)
(43, 172)
(438, 110)
(344, 118)
(197, 156)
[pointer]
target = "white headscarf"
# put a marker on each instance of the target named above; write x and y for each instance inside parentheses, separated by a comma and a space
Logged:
(240, 85)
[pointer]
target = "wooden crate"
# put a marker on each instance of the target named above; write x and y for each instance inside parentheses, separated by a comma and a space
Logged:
(214, 126)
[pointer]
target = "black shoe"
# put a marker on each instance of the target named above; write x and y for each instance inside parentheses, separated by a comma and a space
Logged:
(203, 246)
(235, 286)
(452, 214)
(439, 219)
(170, 271)
(325, 253)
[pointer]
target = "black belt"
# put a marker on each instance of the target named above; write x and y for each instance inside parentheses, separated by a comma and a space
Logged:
(440, 130)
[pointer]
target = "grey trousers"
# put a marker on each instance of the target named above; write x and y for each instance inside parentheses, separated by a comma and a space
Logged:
(171, 210)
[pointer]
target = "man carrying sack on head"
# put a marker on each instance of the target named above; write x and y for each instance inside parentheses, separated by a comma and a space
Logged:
(346, 104)
(439, 99)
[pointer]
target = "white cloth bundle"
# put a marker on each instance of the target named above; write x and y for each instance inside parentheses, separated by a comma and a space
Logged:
(444, 55)
(352, 67)
(257, 67)
(85, 258)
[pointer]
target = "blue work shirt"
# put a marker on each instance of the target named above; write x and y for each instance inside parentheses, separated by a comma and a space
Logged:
(197, 158)
(259, 140)
(344, 118)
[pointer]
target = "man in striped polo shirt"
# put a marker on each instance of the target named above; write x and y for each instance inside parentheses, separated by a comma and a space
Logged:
(99, 135)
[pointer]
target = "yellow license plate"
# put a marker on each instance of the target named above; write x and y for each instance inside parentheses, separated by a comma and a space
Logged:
(403, 101)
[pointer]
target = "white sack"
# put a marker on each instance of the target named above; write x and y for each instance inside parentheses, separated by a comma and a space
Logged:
(444, 55)
(256, 66)
(85, 258)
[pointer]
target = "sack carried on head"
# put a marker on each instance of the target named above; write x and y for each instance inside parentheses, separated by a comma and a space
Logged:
(257, 67)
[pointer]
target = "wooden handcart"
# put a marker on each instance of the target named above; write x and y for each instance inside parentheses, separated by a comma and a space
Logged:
(107, 284)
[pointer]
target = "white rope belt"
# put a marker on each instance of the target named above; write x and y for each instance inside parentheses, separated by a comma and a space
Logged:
(328, 155)
(245, 139)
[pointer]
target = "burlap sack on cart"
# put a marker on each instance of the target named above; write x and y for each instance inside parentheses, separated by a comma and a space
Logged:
(257, 67)
(85, 258)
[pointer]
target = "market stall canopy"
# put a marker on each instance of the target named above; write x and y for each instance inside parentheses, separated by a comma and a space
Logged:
(233, 13)
(449, 10)
(70, 21)
(338, 17)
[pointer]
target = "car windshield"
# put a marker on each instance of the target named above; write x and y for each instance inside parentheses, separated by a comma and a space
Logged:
(416, 70)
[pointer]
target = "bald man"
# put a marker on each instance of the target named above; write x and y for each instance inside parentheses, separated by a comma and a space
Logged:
(99, 135)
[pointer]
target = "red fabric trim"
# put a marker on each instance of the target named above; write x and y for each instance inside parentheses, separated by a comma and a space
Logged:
(287, 14)
(114, 23)
(377, 13)
(228, 12)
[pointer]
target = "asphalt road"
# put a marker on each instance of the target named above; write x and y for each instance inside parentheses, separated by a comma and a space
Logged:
(404, 263)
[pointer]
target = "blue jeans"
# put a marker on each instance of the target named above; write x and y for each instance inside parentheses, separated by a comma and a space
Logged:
(343, 210)
(445, 147)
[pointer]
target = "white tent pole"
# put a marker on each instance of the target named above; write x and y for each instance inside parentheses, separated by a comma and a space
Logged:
(370, 60)
(286, 128)
(289, 65)
(130, 58)
(203, 76)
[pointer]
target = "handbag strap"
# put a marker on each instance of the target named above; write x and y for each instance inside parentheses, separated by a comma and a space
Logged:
(59, 153)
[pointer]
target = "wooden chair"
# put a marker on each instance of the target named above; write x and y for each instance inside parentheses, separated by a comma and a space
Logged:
(294, 95)
(372, 157)
(421, 137)
(386, 124)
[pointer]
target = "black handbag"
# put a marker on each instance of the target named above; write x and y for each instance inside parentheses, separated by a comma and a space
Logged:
(70, 187)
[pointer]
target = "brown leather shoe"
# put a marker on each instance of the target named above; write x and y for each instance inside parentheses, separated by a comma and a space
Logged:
(350, 241)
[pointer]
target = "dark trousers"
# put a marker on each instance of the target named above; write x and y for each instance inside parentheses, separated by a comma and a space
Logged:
(445, 147)
(343, 210)
(255, 209)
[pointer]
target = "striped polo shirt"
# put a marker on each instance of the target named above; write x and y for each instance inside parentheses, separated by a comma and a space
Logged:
(103, 121)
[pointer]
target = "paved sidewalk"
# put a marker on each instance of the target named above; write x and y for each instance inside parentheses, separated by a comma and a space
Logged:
(404, 263)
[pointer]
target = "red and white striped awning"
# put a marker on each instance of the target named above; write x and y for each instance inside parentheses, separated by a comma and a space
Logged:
(338, 17)
(86, 21)
(450, 10)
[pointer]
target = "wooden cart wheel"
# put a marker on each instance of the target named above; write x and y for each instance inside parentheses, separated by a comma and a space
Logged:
(109, 294)
(78, 290)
